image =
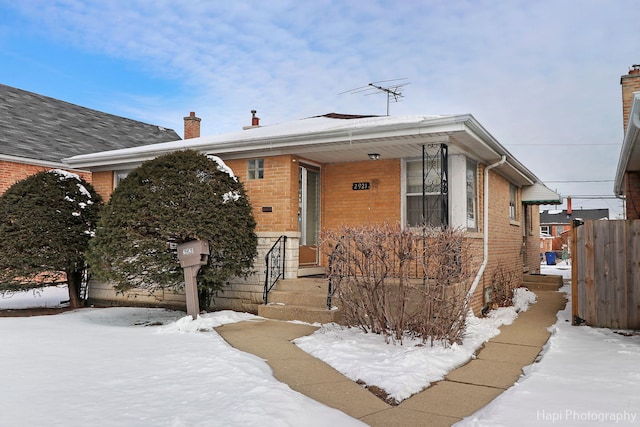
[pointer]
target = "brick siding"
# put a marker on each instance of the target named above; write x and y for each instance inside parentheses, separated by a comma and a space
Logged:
(630, 83)
(633, 195)
(12, 172)
(103, 184)
(278, 190)
(341, 205)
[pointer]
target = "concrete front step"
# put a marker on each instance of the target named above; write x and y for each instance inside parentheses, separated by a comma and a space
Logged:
(307, 299)
(296, 312)
(303, 299)
(542, 282)
(303, 284)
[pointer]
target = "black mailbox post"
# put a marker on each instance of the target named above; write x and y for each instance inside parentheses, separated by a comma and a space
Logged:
(192, 255)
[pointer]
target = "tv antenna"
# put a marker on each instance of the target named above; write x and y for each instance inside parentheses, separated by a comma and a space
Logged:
(393, 89)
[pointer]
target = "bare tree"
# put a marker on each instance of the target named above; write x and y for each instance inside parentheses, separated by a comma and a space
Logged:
(399, 283)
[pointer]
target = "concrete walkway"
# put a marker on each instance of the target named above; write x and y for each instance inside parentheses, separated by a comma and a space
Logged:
(497, 367)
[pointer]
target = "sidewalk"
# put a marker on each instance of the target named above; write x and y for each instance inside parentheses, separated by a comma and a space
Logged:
(497, 367)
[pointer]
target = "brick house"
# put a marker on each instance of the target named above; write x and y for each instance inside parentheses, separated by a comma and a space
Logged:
(37, 132)
(555, 226)
(322, 172)
(627, 181)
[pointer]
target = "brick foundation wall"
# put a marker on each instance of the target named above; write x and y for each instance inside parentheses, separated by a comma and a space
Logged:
(12, 172)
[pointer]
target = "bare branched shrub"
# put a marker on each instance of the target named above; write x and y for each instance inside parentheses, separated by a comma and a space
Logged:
(398, 283)
(503, 281)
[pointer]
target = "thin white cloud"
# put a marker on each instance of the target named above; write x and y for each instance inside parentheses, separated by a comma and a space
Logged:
(531, 72)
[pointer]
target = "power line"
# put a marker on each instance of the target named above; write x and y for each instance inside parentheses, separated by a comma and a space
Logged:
(560, 145)
(592, 197)
(585, 180)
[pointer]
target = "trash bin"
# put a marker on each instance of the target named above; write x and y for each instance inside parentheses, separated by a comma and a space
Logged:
(550, 257)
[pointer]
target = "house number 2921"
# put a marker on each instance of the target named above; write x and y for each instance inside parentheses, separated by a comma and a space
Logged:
(360, 186)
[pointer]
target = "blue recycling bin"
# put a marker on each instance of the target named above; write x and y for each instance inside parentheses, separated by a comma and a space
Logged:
(550, 257)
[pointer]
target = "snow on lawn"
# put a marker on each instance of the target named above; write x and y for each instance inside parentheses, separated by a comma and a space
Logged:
(115, 367)
(587, 376)
(139, 367)
(50, 297)
(403, 370)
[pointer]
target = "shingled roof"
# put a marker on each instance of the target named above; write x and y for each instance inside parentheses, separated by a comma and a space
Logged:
(37, 127)
(561, 216)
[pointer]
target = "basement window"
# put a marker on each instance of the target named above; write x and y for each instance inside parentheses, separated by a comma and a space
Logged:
(255, 168)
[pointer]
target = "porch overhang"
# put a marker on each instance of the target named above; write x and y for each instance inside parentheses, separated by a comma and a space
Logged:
(630, 153)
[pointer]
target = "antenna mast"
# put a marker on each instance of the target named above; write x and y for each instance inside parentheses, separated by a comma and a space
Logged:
(393, 90)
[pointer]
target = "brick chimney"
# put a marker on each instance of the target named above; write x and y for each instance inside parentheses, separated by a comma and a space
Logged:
(255, 121)
(191, 126)
(630, 83)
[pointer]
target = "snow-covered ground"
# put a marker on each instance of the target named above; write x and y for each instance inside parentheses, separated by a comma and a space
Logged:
(140, 367)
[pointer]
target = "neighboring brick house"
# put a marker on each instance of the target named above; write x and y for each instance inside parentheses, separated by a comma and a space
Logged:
(322, 172)
(627, 182)
(37, 132)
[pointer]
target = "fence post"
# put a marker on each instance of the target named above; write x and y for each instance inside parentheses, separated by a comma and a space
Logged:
(574, 270)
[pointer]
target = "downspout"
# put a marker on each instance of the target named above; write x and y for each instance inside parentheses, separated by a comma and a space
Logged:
(485, 238)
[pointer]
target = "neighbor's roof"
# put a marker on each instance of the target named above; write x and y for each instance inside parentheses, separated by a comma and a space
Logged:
(630, 153)
(561, 217)
(38, 128)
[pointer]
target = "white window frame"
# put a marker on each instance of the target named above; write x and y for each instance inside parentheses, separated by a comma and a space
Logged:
(471, 167)
(255, 169)
(119, 175)
(405, 193)
(513, 202)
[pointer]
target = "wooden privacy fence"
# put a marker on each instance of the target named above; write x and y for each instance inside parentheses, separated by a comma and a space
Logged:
(606, 274)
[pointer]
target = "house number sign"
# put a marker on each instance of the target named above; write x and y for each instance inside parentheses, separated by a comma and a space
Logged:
(360, 186)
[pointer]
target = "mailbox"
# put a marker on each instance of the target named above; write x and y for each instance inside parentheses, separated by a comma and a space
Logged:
(192, 255)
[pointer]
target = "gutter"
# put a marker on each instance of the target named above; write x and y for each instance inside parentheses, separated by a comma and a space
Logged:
(485, 237)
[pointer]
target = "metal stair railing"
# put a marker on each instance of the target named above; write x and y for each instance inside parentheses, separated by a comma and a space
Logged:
(336, 271)
(274, 261)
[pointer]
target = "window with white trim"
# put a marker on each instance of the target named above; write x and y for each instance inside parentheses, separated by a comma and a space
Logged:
(414, 188)
(513, 202)
(471, 177)
(120, 175)
(255, 169)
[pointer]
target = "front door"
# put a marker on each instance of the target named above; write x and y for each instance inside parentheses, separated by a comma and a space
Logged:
(308, 214)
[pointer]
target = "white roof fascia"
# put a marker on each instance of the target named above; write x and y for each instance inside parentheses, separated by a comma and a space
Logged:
(482, 135)
(272, 137)
(311, 134)
(631, 138)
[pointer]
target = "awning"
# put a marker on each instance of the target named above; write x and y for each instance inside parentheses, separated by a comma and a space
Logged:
(539, 194)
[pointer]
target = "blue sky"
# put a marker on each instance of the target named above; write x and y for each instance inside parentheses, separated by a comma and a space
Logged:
(542, 76)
